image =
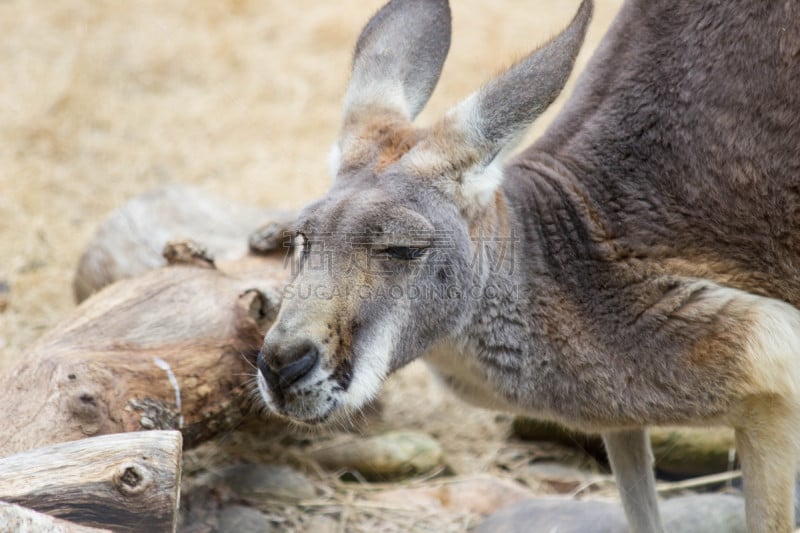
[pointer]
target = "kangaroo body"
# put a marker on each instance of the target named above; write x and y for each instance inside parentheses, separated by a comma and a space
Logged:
(684, 137)
(636, 266)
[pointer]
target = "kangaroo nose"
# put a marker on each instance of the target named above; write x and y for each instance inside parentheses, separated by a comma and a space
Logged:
(301, 362)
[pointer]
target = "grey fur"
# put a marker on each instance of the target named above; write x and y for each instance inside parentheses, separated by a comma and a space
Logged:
(510, 102)
(632, 462)
(405, 43)
(637, 266)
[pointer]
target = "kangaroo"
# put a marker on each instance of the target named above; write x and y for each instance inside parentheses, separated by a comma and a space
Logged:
(636, 266)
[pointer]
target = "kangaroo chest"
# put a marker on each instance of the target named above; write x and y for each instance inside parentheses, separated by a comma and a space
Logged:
(455, 364)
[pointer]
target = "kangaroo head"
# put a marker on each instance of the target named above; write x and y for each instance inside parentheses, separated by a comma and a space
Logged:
(387, 263)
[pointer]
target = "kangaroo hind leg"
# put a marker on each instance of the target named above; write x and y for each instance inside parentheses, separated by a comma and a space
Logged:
(768, 451)
(767, 421)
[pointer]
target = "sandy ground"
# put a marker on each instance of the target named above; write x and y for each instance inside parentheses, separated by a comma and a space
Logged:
(101, 100)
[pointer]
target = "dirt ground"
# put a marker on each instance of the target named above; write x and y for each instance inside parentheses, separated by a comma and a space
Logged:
(102, 100)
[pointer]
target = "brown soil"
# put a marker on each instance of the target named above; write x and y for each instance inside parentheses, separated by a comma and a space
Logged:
(102, 100)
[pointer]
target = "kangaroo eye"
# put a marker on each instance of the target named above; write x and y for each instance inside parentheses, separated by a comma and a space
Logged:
(405, 253)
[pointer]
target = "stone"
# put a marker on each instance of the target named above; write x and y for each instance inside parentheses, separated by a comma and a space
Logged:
(481, 495)
(679, 452)
(527, 428)
(561, 477)
(555, 514)
(704, 513)
(322, 524)
(265, 483)
(692, 452)
(5, 295)
(696, 513)
(797, 500)
(393, 455)
(243, 519)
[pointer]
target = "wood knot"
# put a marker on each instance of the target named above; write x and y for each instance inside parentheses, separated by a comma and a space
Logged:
(131, 479)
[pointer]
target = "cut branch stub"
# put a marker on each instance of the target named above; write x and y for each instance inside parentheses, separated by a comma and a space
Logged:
(269, 237)
(187, 252)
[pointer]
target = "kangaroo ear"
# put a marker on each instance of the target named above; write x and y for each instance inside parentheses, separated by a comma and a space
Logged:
(397, 62)
(469, 144)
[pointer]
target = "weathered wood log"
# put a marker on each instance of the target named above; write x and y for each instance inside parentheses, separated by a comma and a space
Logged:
(23, 520)
(172, 349)
(126, 482)
(164, 348)
(678, 452)
(129, 241)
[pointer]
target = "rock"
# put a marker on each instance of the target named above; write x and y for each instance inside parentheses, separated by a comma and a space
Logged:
(560, 477)
(564, 516)
(243, 519)
(679, 452)
(797, 501)
(264, 483)
(130, 240)
(738, 484)
(703, 513)
(389, 456)
(322, 524)
(527, 428)
(691, 452)
(480, 495)
(5, 295)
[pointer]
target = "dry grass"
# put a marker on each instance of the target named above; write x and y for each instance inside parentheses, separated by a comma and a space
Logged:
(475, 442)
(101, 100)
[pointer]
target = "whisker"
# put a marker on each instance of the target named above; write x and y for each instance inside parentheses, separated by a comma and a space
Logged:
(247, 360)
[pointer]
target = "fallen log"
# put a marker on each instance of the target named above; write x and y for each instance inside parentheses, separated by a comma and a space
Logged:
(157, 348)
(174, 348)
(126, 482)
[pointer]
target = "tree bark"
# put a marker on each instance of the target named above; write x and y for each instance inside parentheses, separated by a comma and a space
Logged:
(174, 348)
(126, 482)
(18, 518)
